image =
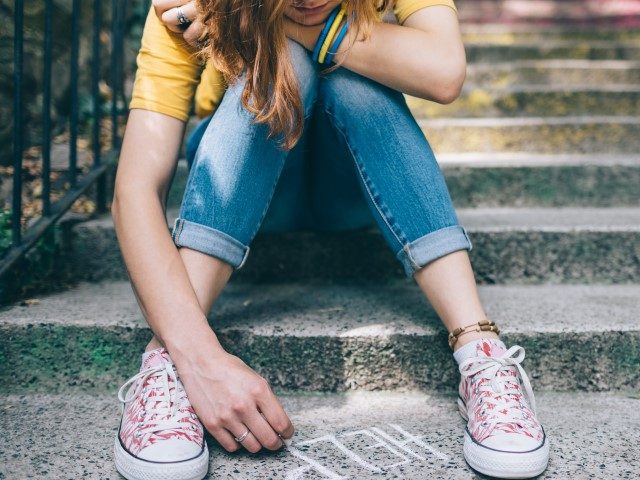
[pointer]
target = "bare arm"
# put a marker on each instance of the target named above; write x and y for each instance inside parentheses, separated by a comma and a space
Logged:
(158, 276)
(423, 57)
(225, 393)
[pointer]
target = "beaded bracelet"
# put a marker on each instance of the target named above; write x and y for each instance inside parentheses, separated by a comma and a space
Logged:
(336, 44)
(325, 30)
(485, 325)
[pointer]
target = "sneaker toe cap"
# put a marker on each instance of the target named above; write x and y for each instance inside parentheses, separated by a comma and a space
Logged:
(511, 442)
(170, 450)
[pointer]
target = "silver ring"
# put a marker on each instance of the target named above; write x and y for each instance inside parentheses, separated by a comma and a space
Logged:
(241, 438)
(183, 21)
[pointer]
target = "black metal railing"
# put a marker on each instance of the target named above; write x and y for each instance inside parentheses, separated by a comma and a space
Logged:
(104, 154)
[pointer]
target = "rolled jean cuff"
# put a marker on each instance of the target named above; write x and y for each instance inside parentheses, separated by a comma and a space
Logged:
(416, 254)
(186, 233)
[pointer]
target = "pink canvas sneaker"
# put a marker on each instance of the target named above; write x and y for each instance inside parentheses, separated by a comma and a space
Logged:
(160, 436)
(503, 438)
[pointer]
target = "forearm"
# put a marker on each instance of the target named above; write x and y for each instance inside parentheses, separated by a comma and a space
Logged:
(406, 59)
(427, 62)
(157, 273)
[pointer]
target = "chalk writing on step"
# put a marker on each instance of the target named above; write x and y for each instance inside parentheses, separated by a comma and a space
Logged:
(371, 449)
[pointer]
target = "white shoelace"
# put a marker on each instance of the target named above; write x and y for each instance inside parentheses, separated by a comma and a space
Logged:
(165, 411)
(489, 368)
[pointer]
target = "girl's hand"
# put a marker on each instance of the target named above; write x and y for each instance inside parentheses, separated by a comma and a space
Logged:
(167, 11)
(231, 398)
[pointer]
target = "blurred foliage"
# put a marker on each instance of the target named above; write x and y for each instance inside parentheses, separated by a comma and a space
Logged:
(41, 270)
(5, 229)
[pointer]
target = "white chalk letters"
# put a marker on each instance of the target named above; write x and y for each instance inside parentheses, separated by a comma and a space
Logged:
(372, 450)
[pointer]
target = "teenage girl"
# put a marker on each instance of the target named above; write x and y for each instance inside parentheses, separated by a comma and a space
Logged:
(288, 145)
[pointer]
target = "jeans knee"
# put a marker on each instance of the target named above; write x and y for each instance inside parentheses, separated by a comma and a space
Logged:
(346, 91)
(304, 71)
(306, 74)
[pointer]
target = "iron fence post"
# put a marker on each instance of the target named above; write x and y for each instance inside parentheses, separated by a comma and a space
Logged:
(18, 133)
(46, 111)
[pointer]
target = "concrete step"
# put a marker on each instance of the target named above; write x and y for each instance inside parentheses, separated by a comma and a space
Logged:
(571, 134)
(534, 101)
(559, 73)
(322, 337)
(363, 435)
(535, 180)
(552, 49)
(521, 179)
(522, 245)
(508, 33)
(623, 13)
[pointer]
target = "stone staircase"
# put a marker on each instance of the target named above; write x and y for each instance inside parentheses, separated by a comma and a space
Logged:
(541, 156)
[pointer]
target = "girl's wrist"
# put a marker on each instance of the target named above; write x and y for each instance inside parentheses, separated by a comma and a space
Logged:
(339, 38)
(327, 33)
(194, 347)
(350, 39)
(309, 36)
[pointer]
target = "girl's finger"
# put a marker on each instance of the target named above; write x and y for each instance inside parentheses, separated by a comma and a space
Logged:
(225, 438)
(249, 441)
(172, 18)
(263, 432)
(161, 6)
(274, 413)
(193, 33)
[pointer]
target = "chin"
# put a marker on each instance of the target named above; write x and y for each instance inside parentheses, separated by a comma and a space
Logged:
(307, 20)
(313, 19)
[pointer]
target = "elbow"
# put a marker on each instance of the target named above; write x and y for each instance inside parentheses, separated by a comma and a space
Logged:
(448, 94)
(126, 199)
(450, 83)
(114, 209)
(121, 199)
(450, 88)
(119, 196)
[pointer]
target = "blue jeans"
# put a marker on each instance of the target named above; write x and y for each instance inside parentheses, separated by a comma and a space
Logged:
(362, 160)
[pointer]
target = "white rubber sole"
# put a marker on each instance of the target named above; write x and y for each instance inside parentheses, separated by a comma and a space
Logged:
(133, 468)
(503, 464)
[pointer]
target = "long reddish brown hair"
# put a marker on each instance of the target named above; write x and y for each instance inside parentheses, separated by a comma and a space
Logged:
(250, 34)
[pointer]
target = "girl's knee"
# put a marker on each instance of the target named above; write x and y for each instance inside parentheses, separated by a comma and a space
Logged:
(306, 74)
(304, 70)
(354, 93)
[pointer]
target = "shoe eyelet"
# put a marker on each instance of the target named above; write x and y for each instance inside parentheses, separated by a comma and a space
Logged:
(137, 434)
(193, 427)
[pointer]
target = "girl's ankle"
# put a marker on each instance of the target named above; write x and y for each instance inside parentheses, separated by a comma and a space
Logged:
(153, 344)
(472, 337)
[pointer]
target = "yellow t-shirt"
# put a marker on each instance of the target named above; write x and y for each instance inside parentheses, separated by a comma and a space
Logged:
(169, 73)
